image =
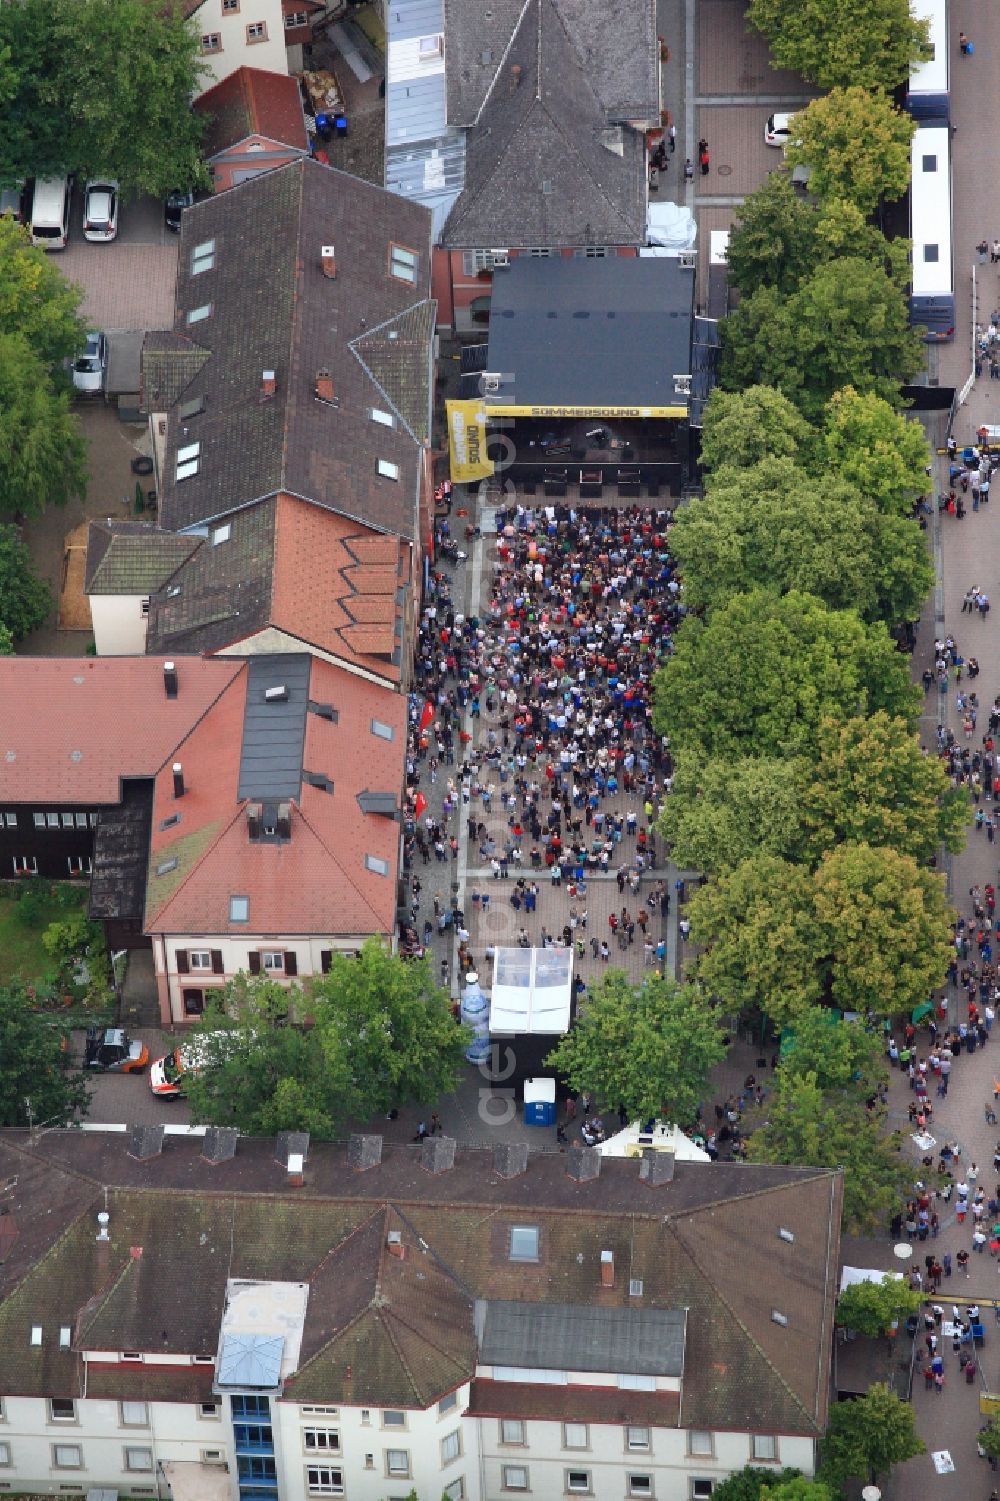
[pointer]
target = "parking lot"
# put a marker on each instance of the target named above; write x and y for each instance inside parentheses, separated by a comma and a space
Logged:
(126, 1099)
(129, 283)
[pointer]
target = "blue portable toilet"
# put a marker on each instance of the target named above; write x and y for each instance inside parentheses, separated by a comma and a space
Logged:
(539, 1102)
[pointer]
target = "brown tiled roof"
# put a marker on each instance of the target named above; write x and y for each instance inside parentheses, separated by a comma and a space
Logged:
(272, 308)
(133, 557)
(317, 882)
(573, 1404)
(83, 723)
(250, 102)
(397, 1332)
(150, 1383)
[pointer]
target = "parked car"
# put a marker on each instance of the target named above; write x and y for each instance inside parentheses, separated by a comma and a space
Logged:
(111, 1050)
(91, 366)
(100, 211)
(174, 207)
(777, 129)
(13, 201)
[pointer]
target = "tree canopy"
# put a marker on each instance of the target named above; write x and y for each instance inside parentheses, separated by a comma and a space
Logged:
(857, 144)
(36, 300)
(35, 1066)
(848, 1057)
(874, 447)
(760, 675)
(871, 43)
(780, 237)
(867, 1436)
(648, 1047)
(724, 810)
(743, 427)
(380, 1034)
(751, 1482)
(872, 1308)
(845, 325)
(42, 452)
(775, 526)
(25, 599)
(123, 71)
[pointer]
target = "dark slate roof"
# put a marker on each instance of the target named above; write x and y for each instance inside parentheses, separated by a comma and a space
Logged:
(569, 331)
(274, 730)
(121, 854)
(272, 308)
(170, 363)
(396, 356)
(579, 1337)
(573, 1404)
(132, 557)
(615, 43)
(223, 592)
(545, 164)
(387, 1331)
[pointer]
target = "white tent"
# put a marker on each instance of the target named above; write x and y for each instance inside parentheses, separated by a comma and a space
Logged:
(532, 991)
(633, 1141)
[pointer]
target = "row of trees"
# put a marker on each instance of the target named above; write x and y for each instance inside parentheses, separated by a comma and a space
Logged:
(100, 87)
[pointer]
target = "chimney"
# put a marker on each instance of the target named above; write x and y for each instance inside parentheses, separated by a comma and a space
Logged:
(102, 1220)
(296, 1169)
(170, 679)
(437, 1154)
(394, 1244)
(288, 1142)
(515, 77)
(284, 823)
(583, 1163)
(145, 1142)
(329, 261)
(178, 772)
(268, 385)
(510, 1158)
(219, 1143)
(607, 1268)
(656, 1167)
(254, 815)
(324, 385)
(364, 1152)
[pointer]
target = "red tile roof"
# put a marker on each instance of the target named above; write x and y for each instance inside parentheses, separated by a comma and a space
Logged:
(317, 881)
(253, 102)
(74, 726)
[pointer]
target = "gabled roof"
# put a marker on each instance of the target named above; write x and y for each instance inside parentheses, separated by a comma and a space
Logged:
(132, 557)
(267, 305)
(544, 163)
(83, 724)
(386, 1330)
(253, 102)
(267, 573)
(170, 363)
(318, 880)
(615, 43)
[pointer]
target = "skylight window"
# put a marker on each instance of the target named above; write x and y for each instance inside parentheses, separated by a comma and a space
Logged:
(524, 1242)
(385, 418)
(788, 1235)
(188, 460)
(166, 867)
(199, 314)
(377, 865)
(239, 909)
(387, 469)
(778, 1317)
(36, 1335)
(203, 257)
(382, 730)
(221, 534)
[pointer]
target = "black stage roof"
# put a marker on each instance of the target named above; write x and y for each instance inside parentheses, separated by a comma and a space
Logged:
(569, 331)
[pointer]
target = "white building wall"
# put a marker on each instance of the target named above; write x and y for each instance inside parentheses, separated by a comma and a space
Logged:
(235, 952)
(119, 624)
(235, 50)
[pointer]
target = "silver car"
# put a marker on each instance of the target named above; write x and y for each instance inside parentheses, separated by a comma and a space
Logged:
(100, 211)
(91, 366)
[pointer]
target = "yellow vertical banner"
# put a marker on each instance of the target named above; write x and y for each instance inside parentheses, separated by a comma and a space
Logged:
(467, 441)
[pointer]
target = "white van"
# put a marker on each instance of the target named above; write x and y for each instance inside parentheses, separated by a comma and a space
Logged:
(49, 222)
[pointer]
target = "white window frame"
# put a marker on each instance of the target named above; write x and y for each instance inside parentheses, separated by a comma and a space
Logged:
(633, 1445)
(518, 1425)
(210, 1417)
(532, 1230)
(67, 820)
(382, 730)
(140, 1421)
(700, 1444)
(211, 41)
(67, 1464)
(377, 865)
(451, 1447)
(200, 961)
(506, 1471)
(705, 1480)
(404, 263)
(134, 1459)
(21, 864)
(6, 1460)
(393, 1470)
(222, 533)
(38, 819)
(639, 1484)
(384, 419)
(272, 961)
(764, 1438)
(10, 820)
(256, 31)
(61, 1417)
(455, 1489)
(52, 820)
(577, 1490)
(81, 820)
(386, 469)
(389, 1416)
(568, 1434)
(321, 1440)
(447, 1403)
(324, 1480)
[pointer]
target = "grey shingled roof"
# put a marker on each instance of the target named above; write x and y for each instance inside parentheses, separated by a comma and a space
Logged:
(615, 43)
(580, 1337)
(544, 165)
(170, 362)
(132, 557)
(397, 357)
(222, 593)
(272, 308)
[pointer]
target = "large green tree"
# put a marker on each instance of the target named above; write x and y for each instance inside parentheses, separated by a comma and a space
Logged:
(648, 1047)
(780, 237)
(857, 144)
(123, 72)
(874, 447)
(806, 1126)
(38, 1083)
(776, 526)
(873, 1308)
(36, 300)
(867, 1436)
(842, 1056)
(845, 325)
(750, 1483)
(743, 427)
(724, 810)
(871, 43)
(25, 599)
(760, 675)
(42, 452)
(873, 783)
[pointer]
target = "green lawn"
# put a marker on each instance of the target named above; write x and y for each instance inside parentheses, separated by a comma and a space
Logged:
(21, 951)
